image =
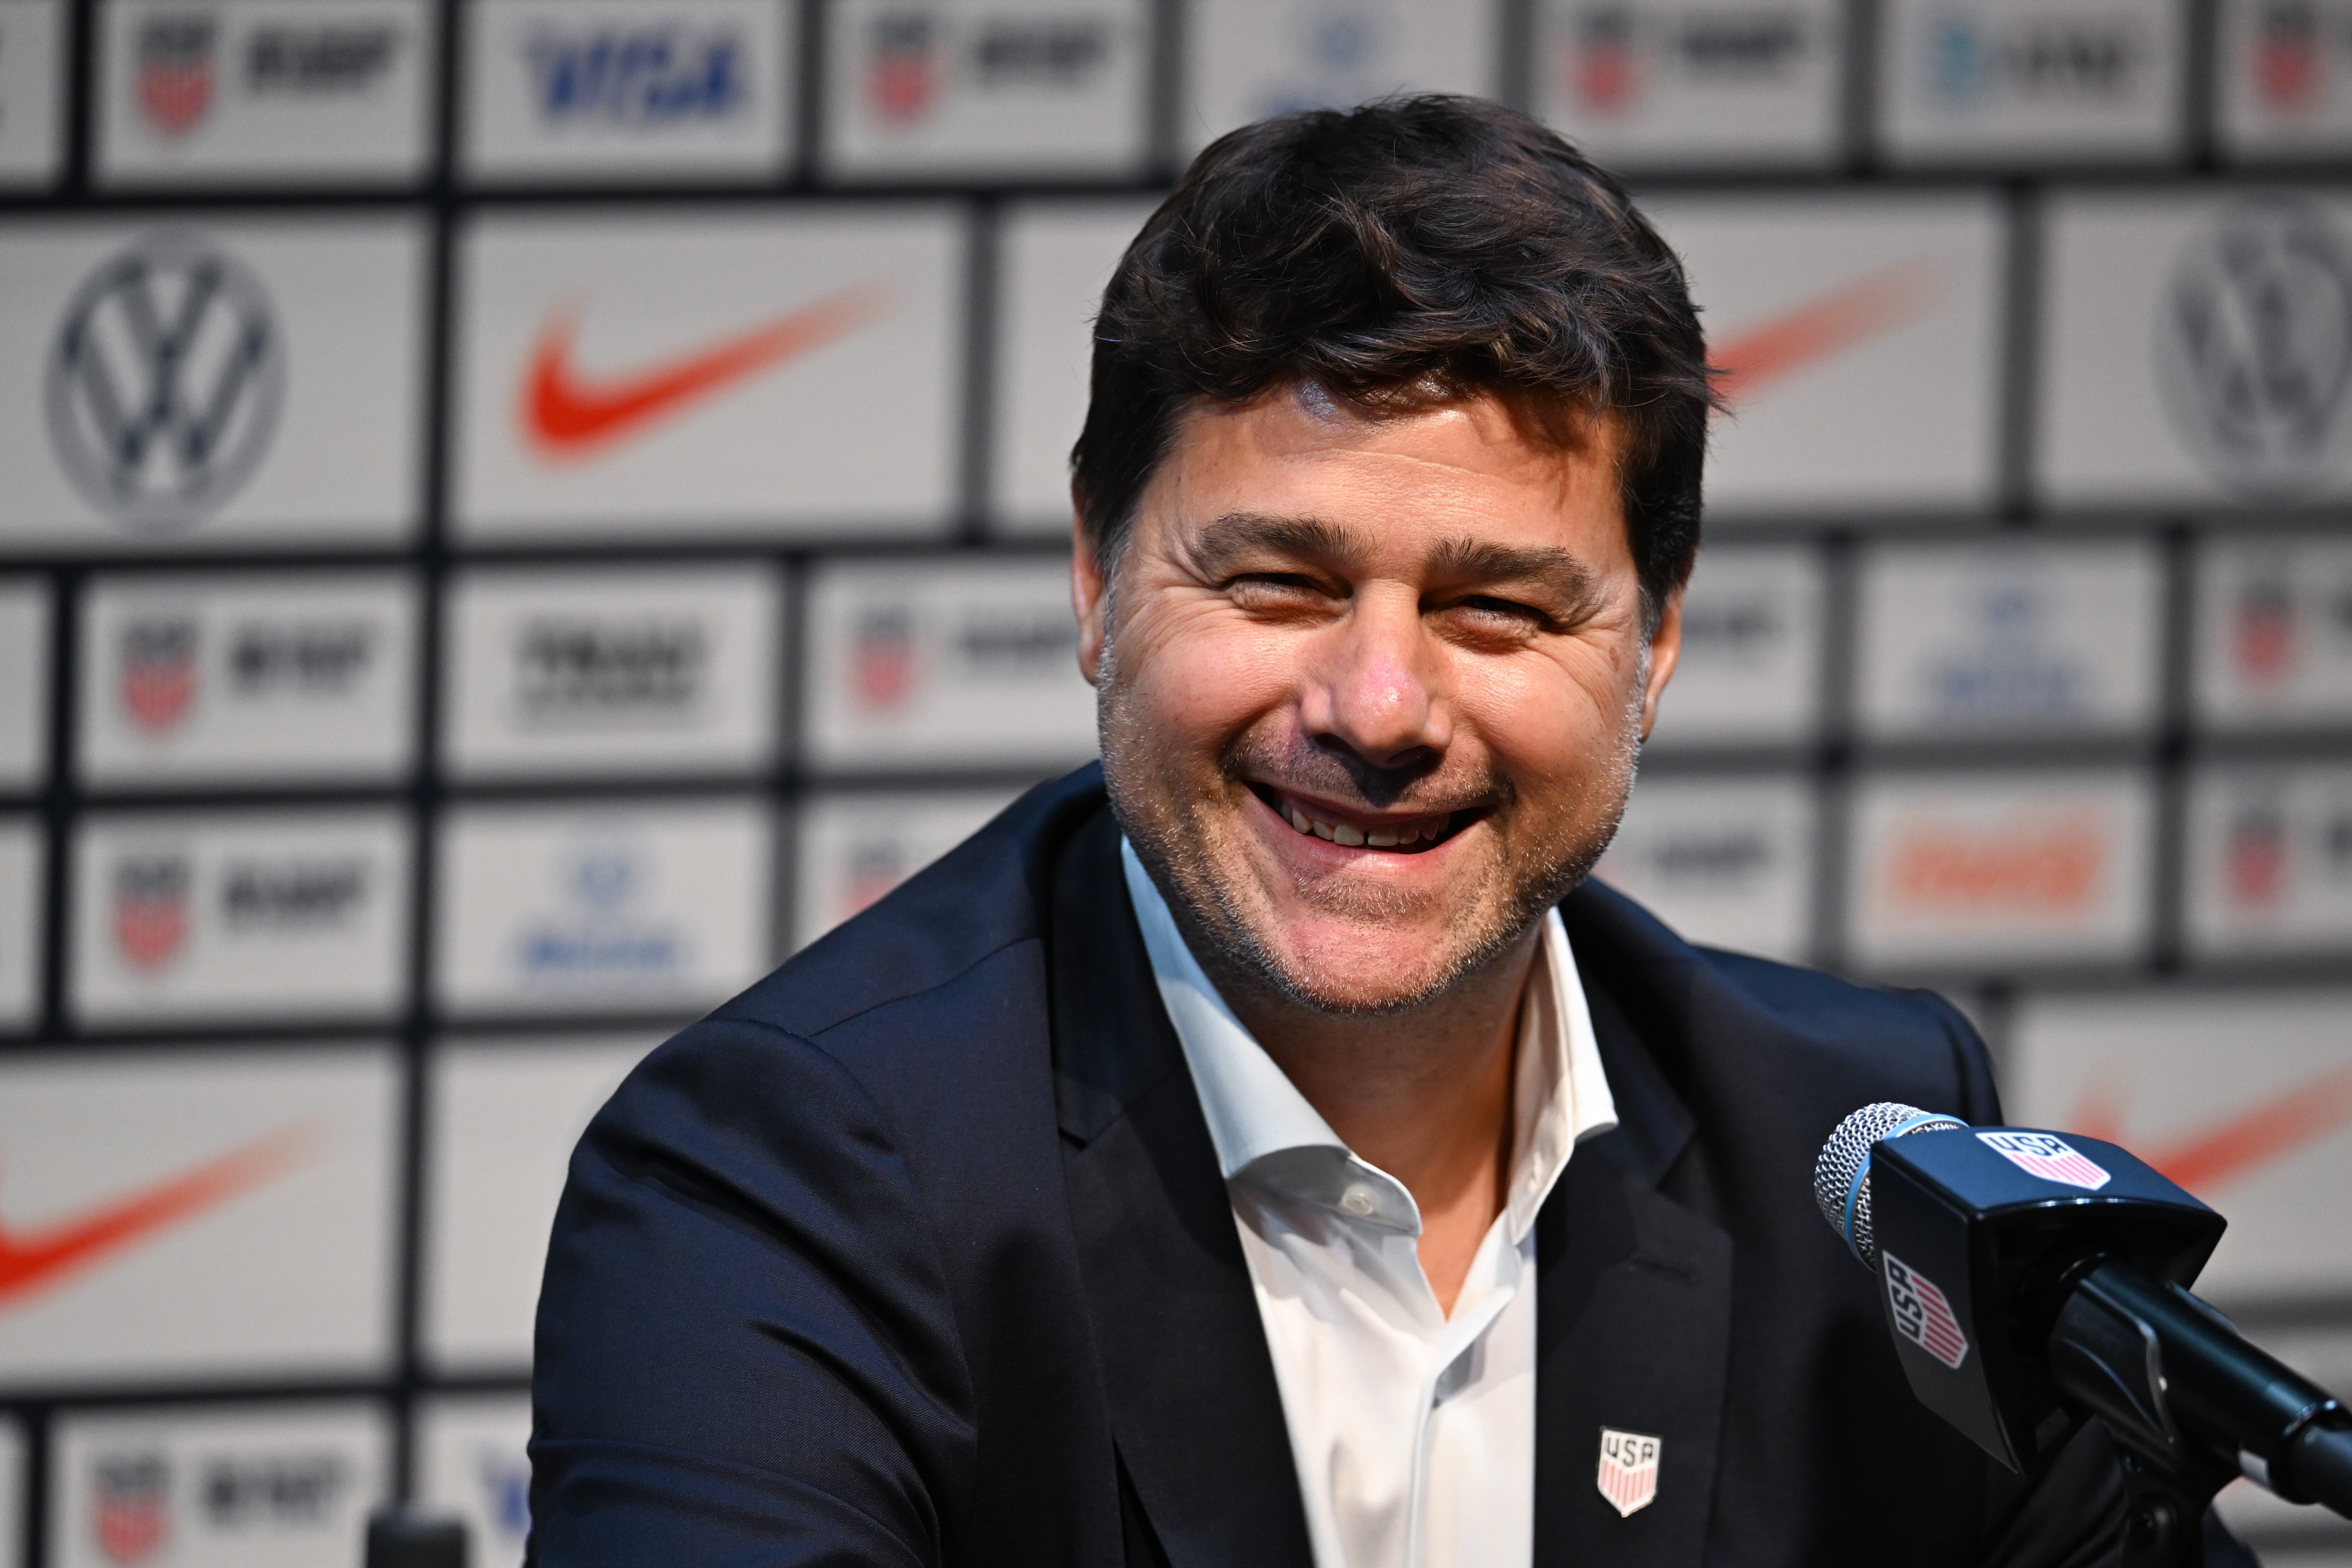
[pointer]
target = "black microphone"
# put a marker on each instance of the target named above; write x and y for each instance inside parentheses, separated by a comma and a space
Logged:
(2032, 1280)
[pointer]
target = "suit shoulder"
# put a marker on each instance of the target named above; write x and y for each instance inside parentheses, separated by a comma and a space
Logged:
(1812, 1002)
(1768, 1026)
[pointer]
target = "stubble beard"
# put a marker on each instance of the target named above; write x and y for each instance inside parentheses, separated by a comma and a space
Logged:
(1176, 825)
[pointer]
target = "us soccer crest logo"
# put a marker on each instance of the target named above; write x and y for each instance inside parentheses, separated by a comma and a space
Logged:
(128, 1507)
(882, 660)
(159, 671)
(151, 909)
(1629, 1470)
(175, 71)
(1922, 1314)
(902, 69)
(2047, 1156)
(1602, 72)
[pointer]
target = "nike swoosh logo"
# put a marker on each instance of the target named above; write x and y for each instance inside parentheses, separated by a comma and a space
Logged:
(35, 1260)
(565, 414)
(2235, 1145)
(1822, 327)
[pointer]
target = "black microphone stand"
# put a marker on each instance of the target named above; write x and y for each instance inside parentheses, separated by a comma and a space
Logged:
(2164, 1373)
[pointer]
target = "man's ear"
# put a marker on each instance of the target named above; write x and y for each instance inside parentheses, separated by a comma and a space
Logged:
(1087, 596)
(1665, 647)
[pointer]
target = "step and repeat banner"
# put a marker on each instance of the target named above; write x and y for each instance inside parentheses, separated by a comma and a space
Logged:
(517, 514)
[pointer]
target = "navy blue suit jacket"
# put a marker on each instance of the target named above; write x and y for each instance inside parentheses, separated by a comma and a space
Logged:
(917, 1253)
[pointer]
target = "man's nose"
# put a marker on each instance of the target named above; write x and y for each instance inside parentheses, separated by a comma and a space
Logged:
(1376, 687)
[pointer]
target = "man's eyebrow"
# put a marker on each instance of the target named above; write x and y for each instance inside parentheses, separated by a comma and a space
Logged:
(1487, 561)
(1300, 537)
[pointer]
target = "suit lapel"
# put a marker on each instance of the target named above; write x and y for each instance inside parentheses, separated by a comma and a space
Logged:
(1633, 1327)
(1195, 1405)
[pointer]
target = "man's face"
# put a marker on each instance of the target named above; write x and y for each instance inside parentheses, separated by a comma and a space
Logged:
(1371, 689)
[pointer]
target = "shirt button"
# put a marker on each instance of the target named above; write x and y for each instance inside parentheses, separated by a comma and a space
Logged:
(1358, 1199)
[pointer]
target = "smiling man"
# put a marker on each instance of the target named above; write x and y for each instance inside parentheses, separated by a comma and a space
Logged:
(1267, 1148)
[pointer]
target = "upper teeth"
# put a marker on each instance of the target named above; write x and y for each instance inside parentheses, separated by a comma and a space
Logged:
(1353, 837)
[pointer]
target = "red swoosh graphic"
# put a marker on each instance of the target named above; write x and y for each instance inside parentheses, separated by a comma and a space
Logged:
(567, 415)
(32, 1261)
(2236, 1145)
(1822, 326)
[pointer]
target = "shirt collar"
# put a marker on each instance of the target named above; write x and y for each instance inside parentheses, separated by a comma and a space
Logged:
(1560, 1097)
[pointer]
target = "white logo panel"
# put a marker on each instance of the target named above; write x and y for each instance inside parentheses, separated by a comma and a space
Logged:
(24, 682)
(1245, 59)
(284, 676)
(240, 914)
(955, 86)
(2242, 1096)
(970, 660)
(1727, 862)
(259, 1486)
(474, 1461)
(1058, 255)
(2283, 81)
(2031, 81)
(245, 1201)
(2008, 640)
(623, 90)
(2000, 868)
(637, 670)
(1823, 312)
(1659, 83)
(2274, 632)
(1750, 670)
(32, 98)
(262, 408)
(854, 848)
(506, 1114)
(22, 862)
(2155, 389)
(2270, 861)
(736, 374)
(620, 904)
(264, 91)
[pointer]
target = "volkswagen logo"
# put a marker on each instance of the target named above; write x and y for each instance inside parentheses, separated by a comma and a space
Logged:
(166, 383)
(2254, 347)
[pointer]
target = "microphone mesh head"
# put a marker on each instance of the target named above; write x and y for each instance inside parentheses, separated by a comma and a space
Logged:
(1843, 1172)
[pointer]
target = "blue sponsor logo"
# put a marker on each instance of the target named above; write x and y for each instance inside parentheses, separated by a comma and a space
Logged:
(603, 932)
(655, 75)
(2011, 668)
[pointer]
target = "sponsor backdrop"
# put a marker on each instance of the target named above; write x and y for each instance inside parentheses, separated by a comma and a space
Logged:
(521, 512)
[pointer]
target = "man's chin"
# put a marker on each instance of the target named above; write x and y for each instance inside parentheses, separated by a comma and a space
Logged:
(1348, 968)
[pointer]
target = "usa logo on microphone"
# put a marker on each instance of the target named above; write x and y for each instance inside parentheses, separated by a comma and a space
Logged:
(1629, 1470)
(2048, 1156)
(1922, 1315)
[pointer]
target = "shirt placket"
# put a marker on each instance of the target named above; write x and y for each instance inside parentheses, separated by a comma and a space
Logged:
(1496, 1277)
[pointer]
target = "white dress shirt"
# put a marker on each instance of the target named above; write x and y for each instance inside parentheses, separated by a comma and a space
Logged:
(1414, 1433)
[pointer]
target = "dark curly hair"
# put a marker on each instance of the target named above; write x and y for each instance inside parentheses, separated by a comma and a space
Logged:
(1408, 252)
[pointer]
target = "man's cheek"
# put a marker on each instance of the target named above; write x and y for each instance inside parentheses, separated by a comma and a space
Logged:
(1206, 688)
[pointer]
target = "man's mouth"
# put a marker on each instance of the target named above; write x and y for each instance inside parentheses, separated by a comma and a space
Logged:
(1361, 830)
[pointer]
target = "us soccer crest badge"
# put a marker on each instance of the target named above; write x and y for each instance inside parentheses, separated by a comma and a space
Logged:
(2048, 1156)
(1629, 1470)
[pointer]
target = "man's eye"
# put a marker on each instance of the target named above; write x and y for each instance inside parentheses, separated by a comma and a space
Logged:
(1274, 588)
(1491, 610)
